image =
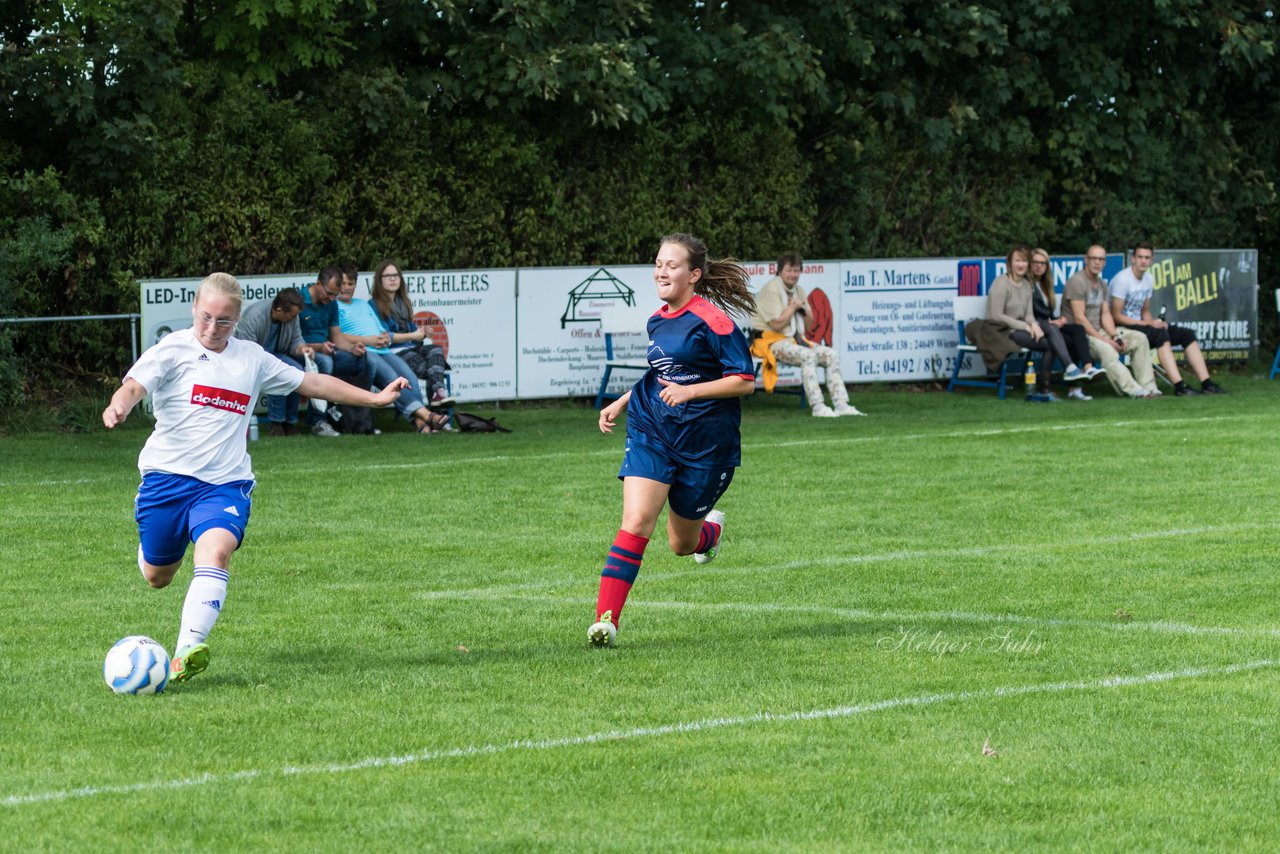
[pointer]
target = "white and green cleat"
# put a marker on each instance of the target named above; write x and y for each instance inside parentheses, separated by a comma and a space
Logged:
(188, 661)
(602, 633)
(710, 554)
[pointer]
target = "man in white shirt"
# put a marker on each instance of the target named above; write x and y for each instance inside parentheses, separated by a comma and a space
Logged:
(1131, 291)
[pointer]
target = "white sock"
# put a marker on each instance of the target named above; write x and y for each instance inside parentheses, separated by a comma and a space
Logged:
(202, 606)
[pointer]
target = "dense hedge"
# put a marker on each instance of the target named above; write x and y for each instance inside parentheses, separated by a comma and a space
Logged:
(268, 188)
(280, 137)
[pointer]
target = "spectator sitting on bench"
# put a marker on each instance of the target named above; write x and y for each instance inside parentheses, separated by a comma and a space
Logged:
(1131, 291)
(1009, 306)
(412, 343)
(779, 325)
(1073, 334)
(1085, 301)
(359, 322)
(334, 353)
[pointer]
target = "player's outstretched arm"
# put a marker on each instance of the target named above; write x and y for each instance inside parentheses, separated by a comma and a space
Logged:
(609, 415)
(123, 402)
(333, 389)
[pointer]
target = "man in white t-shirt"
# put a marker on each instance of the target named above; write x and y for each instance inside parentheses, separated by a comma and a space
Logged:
(1131, 291)
(196, 472)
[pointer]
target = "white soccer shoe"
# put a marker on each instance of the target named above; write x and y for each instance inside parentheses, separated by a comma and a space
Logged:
(848, 409)
(821, 410)
(710, 554)
(603, 632)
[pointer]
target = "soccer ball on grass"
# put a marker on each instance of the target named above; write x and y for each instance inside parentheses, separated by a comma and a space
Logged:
(136, 665)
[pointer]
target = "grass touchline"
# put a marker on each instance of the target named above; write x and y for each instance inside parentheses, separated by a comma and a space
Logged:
(1107, 682)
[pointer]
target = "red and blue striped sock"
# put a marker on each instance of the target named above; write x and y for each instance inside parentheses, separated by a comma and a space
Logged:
(708, 537)
(619, 573)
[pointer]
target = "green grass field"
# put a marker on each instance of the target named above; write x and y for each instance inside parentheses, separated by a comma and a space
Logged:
(1089, 589)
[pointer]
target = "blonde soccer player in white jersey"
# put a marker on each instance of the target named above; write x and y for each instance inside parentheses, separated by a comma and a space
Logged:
(196, 472)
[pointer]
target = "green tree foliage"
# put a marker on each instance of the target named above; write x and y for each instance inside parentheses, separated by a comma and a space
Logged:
(178, 136)
(50, 265)
(254, 188)
(263, 41)
(81, 81)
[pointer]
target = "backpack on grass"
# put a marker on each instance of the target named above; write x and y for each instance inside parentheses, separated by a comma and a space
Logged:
(469, 423)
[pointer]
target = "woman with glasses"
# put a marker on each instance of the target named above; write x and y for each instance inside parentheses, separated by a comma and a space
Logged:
(1009, 306)
(196, 472)
(391, 305)
(1073, 334)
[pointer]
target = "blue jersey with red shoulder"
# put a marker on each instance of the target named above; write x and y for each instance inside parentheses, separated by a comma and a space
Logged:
(697, 344)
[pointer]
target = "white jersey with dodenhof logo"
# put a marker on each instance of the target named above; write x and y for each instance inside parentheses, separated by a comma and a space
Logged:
(203, 401)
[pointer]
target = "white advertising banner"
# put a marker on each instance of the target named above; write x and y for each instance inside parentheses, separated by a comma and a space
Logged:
(166, 303)
(535, 333)
(897, 319)
(471, 314)
(562, 350)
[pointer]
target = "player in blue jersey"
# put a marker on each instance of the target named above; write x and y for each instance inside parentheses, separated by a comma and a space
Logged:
(682, 423)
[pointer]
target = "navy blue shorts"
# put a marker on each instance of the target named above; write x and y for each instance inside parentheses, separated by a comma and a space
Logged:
(174, 509)
(694, 491)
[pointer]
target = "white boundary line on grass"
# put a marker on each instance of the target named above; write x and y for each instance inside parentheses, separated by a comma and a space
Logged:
(614, 450)
(912, 617)
(831, 440)
(993, 431)
(835, 560)
(968, 551)
(696, 726)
